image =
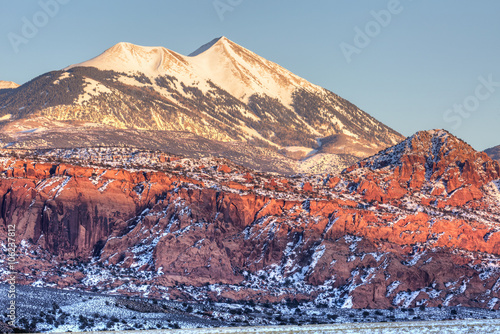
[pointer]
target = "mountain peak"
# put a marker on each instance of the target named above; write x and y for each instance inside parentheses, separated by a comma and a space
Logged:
(122, 45)
(127, 57)
(434, 163)
(433, 145)
(126, 46)
(438, 141)
(434, 155)
(205, 47)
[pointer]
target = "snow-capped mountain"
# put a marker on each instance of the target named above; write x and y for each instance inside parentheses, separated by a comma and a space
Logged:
(221, 91)
(7, 84)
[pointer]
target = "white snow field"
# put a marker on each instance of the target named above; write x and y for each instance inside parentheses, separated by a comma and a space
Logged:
(414, 327)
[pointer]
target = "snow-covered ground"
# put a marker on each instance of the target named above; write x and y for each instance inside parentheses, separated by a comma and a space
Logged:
(420, 327)
(53, 310)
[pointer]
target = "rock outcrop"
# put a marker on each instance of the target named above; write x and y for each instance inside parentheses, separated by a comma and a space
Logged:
(433, 163)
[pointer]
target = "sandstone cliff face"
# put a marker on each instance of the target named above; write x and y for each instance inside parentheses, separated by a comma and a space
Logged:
(417, 224)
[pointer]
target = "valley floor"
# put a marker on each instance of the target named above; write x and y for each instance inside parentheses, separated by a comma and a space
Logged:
(415, 327)
(53, 310)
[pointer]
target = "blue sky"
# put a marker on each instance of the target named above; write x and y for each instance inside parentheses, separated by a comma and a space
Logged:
(414, 65)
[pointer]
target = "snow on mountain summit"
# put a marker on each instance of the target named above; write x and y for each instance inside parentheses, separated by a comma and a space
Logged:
(221, 61)
(205, 47)
(239, 70)
(8, 84)
(131, 58)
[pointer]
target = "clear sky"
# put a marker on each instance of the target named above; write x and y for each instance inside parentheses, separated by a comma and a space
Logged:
(414, 65)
